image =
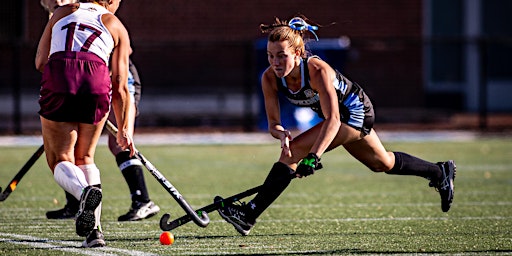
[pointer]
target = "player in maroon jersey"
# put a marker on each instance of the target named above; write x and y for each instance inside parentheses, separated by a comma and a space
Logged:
(77, 91)
(141, 207)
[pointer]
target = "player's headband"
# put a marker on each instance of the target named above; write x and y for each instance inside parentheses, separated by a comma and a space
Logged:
(299, 24)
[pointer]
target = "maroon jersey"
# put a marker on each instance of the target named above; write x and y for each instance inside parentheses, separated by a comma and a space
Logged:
(75, 87)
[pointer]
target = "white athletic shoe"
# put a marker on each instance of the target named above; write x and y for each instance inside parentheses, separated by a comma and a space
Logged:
(139, 211)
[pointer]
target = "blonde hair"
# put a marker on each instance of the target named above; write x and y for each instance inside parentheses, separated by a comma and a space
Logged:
(292, 31)
(280, 31)
(50, 5)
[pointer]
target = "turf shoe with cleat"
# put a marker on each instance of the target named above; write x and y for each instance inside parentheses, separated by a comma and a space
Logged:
(445, 185)
(236, 216)
(94, 239)
(85, 218)
(139, 211)
(68, 212)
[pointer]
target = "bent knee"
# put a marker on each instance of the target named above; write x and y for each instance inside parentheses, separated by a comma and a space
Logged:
(381, 166)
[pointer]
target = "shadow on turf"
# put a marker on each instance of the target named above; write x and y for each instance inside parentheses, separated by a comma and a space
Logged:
(319, 252)
(355, 251)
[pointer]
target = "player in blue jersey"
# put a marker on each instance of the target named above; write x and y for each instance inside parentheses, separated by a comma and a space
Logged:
(348, 118)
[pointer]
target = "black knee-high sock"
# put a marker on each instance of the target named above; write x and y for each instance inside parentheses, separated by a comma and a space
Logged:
(71, 201)
(406, 164)
(276, 182)
(132, 171)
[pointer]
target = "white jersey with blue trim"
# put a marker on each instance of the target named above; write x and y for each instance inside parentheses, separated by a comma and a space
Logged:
(83, 31)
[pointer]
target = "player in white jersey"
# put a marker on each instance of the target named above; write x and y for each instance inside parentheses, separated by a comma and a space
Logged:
(75, 98)
(141, 207)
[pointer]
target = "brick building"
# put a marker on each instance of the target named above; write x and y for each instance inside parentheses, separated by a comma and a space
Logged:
(194, 51)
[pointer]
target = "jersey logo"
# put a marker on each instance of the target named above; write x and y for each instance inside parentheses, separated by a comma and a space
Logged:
(306, 102)
(309, 93)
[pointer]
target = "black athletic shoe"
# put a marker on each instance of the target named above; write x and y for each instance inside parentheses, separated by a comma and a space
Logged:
(85, 219)
(445, 185)
(236, 216)
(68, 212)
(139, 211)
(94, 239)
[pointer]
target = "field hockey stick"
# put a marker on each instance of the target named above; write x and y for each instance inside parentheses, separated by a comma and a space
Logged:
(202, 220)
(166, 226)
(14, 182)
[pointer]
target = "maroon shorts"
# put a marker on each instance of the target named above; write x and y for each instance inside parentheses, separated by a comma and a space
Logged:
(75, 87)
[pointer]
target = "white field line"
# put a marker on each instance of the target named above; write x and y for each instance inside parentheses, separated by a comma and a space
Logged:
(394, 219)
(246, 138)
(333, 205)
(337, 220)
(65, 246)
(364, 205)
(44, 243)
(68, 246)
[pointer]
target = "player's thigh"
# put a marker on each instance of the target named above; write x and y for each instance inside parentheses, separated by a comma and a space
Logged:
(301, 145)
(59, 139)
(88, 137)
(370, 151)
(346, 134)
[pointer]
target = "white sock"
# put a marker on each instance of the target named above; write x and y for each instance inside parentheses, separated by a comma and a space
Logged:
(97, 216)
(70, 178)
(92, 174)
